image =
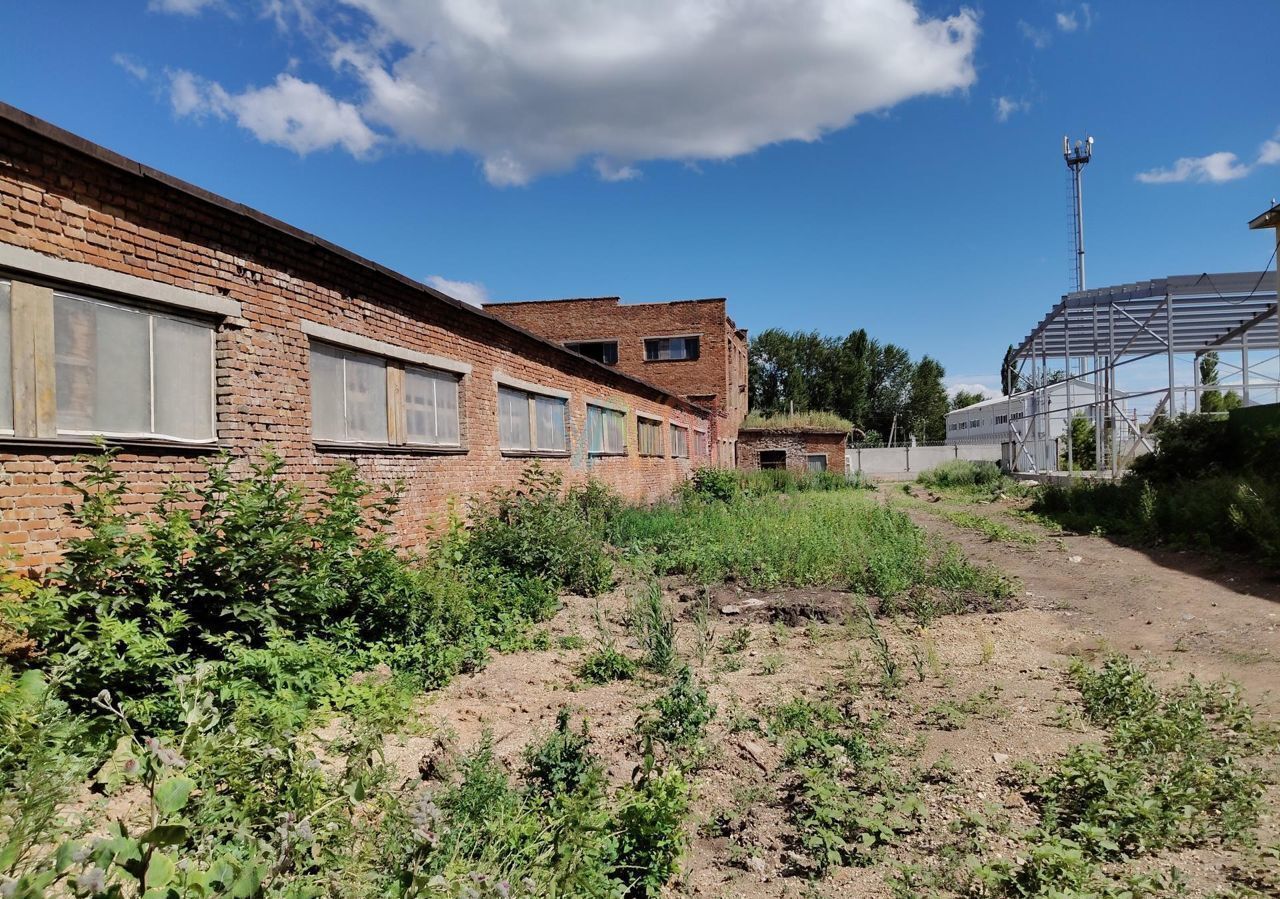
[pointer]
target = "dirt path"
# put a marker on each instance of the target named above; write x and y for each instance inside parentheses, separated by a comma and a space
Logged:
(1195, 614)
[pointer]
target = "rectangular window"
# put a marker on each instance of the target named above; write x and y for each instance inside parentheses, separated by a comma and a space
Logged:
(664, 349)
(126, 372)
(6, 360)
(348, 395)
(606, 431)
(679, 442)
(530, 422)
(817, 461)
(773, 459)
(431, 407)
(649, 436)
(605, 351)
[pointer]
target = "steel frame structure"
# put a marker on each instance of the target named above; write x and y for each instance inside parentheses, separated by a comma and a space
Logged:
(1093, 333)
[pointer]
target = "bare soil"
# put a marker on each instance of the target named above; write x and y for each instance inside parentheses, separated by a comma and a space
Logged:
(1083, 597)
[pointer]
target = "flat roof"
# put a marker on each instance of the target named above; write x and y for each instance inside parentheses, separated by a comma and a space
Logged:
(75, 143)
(615, 300)
(1209, 311)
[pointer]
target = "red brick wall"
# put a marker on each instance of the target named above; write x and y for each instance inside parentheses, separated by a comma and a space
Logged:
(716, 379)
(797, 445)
(60, 202)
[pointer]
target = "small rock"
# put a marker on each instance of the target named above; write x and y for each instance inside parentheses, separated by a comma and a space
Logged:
(730, 610)
(1074, 559)
(756, 866)
(999, 758)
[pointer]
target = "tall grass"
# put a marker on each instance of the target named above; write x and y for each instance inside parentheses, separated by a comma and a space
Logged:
(844, 540)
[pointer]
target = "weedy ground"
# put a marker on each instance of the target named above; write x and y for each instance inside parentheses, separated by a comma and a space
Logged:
(762, 689)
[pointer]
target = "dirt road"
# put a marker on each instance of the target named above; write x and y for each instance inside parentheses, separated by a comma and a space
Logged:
(1193, 613)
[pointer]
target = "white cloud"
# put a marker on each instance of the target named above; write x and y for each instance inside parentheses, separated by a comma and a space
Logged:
(130, 65)
(1007, 106)
(1067, 21)
(986, 392)
(1039, 37)
(1215, 168)
(608, 170)
(472, 292)
(533, 87)
(182, 7)
(290, 113)
(1269, 154)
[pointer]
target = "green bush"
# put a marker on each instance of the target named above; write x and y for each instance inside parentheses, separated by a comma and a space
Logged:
(961, 474)
(715, 484)
(678, 718)
(1173, 771)
(606, 665)
(535, 530)
(286, 593)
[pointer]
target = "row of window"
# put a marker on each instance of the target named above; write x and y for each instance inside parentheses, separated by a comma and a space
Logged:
(127, 372)
(656, 349)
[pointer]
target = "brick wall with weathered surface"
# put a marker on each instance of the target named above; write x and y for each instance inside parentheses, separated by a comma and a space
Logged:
(717, 379)
(796, 444)
(69, 199)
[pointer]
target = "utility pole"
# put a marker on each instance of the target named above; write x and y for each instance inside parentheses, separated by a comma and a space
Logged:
(1077, 158)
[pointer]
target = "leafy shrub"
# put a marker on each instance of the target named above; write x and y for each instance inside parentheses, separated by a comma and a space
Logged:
(287, 593)
(844, 801)
(536, 531)
(961, 474)
(606, 665)
(715, 484)
(563, 762)
(1171, 773)
(679, 717)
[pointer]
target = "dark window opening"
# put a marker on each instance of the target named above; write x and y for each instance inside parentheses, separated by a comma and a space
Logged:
(773, 458)
(605, 351)
(669, 349)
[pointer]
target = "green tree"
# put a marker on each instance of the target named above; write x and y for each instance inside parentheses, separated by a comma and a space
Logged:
(927, 404)
(1083, 442)
(1009, 379)
(965, 398)
(1214, 400)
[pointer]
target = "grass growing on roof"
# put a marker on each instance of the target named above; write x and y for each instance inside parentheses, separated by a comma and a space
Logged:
(826, 421)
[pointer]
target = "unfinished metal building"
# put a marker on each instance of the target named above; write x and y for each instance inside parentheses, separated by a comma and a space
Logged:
(1094, 336)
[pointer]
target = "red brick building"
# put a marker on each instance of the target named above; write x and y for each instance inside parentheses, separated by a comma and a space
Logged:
(800, 449)
(688, 347)
(179, 324)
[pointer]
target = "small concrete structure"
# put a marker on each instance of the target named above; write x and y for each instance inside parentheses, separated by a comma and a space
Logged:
(798, 449)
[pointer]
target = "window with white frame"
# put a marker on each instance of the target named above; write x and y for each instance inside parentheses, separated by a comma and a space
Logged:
(679, 442)
(6, 360)
(649, 436)
(670, 349)
(606, 431)
(530, 422)
(348, 395)
(121, 371)
(816, 461)
(431, 407)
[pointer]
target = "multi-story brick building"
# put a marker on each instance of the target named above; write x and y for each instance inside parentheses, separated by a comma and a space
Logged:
(689, 347)
(178, 324)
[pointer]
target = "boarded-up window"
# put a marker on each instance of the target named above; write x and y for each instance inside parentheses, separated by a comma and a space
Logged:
(431, 407)
(128, 372)
(348, 395)
(606, 431)
(6, 360)
(531, 422)
(649, 436)
(679, 442)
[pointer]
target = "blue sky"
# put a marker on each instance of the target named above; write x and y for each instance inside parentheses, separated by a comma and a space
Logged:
(825, 164)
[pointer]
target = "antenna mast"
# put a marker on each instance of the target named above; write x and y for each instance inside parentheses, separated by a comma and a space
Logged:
(1077, 158)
